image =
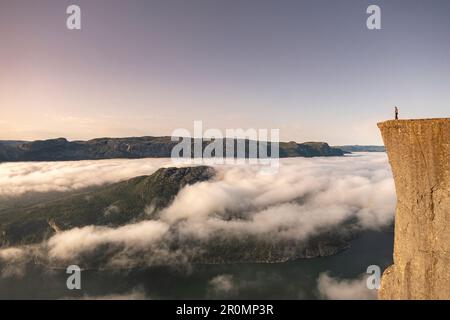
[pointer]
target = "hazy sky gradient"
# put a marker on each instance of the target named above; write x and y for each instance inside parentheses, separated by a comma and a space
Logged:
(310, 68)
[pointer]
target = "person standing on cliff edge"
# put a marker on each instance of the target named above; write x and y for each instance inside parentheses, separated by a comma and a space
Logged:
(396, 113)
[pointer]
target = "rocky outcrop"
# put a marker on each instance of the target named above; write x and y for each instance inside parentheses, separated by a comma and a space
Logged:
(419, 153)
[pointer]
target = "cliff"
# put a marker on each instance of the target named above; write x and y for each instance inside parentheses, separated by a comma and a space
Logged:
(419, 153)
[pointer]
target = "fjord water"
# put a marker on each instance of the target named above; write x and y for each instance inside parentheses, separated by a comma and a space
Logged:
(290, 280)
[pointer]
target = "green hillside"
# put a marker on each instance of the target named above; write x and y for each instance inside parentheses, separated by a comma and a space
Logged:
(135, 199)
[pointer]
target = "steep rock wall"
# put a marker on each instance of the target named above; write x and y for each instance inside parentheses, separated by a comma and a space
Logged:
(419, 154)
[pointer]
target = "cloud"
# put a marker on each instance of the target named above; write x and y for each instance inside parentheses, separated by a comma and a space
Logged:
(222, 284)
(69, 244)
(14, 260)
(305, 197)
(228, 286)
(344, 289)
(19, 178)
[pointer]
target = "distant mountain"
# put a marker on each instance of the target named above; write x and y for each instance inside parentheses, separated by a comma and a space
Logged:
(142, 198)
(358, 148)
(131, 148)
(308, 149)
(8, 151)
(12, 142)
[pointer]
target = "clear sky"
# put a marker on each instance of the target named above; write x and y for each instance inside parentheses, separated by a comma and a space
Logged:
(310, 68)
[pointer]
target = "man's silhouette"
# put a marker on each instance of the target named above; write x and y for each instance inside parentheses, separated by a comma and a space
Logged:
(396, 113)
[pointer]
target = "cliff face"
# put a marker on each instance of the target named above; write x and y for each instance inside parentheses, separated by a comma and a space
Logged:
(419, 153)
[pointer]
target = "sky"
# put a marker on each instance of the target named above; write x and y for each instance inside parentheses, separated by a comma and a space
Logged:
(309, 68)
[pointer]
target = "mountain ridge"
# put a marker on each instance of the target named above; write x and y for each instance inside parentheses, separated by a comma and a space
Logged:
(361, 148)
(60, 149)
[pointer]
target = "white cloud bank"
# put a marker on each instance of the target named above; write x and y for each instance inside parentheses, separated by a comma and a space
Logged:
(305, 196)
(69, 244)
(18, 178)
(344, 289)
(223, 284)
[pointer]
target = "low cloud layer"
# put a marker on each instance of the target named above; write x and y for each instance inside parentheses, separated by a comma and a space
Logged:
(344, 289)
(19, 178)
(307, 195)
(69, 244)
(222, 284)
